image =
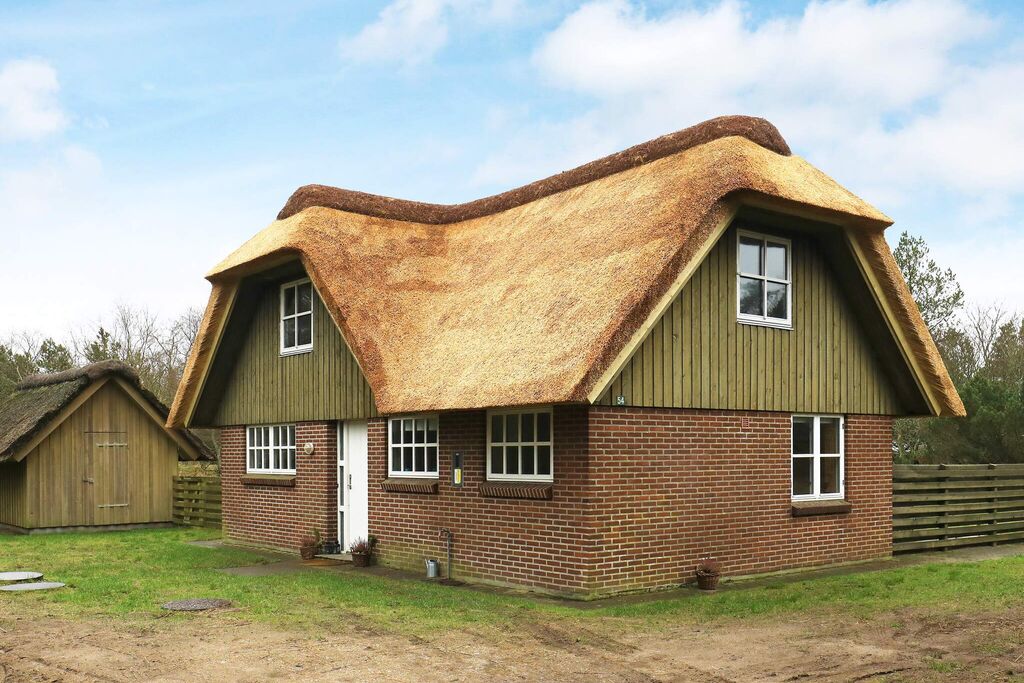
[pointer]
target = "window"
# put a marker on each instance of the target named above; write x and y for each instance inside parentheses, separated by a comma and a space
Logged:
(519, 445)
(413, 445)
(817, 457)
(270, 450)
(763, 284)
(296, 317)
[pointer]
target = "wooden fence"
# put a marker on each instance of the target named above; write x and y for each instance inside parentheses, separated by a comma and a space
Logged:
(197, 501)
(950, 506)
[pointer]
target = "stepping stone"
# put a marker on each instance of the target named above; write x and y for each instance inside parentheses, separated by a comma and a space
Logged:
(19, 576)
(196, 604)
(41, 586)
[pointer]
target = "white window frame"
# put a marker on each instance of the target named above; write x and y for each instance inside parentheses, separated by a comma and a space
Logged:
(299, 348)
(550, 444)
(426, 444)
(269, 448)
(816, 457)
(765, 320)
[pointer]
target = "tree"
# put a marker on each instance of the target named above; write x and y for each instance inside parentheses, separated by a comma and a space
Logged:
(936, 291)
(940, 300)
(54, 357)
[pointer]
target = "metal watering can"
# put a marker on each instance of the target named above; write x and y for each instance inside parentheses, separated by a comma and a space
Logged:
(433, 568)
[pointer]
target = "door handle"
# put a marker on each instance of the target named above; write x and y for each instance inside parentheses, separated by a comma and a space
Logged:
(350, 482)
(87, 480)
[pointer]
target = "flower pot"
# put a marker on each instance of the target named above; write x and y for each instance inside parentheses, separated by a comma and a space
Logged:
(707, 582)
(307, 552)
(361, 559)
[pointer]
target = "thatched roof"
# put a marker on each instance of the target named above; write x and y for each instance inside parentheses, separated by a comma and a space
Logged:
(38, 399)
(528, 297)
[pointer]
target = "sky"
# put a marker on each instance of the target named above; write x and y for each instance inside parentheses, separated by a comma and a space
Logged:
(141, 142)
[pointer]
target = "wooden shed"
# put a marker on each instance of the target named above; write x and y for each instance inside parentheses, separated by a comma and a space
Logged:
(88, 448)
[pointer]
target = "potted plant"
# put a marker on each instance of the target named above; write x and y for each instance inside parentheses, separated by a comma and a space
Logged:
(362, 550)
(310, 546)
(708, 573)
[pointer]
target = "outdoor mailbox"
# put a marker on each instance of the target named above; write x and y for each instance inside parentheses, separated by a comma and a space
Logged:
(457, 470)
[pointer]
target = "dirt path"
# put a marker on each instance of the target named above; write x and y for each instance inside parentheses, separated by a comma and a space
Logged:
(219, 647)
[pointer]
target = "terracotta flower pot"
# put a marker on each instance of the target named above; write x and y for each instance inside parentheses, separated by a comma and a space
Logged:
(307, 552)
(707, 582)
(361, 559)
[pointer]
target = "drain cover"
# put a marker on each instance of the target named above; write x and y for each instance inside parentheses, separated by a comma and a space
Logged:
(41, 586)
(19, 576)
(196, 605)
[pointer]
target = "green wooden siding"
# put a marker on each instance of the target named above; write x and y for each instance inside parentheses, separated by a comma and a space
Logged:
(264, 387)
(12, 494)
(698, 356)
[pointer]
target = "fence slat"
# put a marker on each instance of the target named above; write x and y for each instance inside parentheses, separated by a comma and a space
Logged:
(951, 506)
(197, 501)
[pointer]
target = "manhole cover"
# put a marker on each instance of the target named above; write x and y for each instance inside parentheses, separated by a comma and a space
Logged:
(19, 576)
(196, 605)
(41, 586)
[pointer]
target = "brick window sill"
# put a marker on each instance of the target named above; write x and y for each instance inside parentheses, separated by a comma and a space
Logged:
(494, 489)
(285, 480)
(813, 508)
(409, 485)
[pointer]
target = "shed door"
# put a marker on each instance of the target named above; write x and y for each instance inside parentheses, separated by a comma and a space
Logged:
(109, 477)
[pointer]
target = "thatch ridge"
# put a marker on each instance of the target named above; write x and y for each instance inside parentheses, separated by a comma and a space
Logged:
(755, 129)
(89, 372)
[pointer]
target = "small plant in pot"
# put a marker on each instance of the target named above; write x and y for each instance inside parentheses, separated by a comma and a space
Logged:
(362, 551)
(708, 573)
(310, 546)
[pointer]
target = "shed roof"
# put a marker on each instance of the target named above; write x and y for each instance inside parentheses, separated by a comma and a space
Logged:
(39, 399)
(531, 296)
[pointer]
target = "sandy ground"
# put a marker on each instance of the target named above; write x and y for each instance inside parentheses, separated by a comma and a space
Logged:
(221, 647)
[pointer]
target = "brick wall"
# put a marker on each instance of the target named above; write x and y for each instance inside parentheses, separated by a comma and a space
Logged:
(674, 486)
(280, 516)
(639, 495)
(541, 543)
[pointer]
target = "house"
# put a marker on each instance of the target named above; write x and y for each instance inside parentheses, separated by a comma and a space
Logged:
(695, 347)
(87, 448)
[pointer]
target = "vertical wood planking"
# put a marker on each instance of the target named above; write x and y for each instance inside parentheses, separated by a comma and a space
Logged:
(709, 360)
(265, 387)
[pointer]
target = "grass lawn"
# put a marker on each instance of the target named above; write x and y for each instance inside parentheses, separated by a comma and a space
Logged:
(129, 574)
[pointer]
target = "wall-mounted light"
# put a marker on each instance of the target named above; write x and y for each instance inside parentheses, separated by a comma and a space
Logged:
(308, 449)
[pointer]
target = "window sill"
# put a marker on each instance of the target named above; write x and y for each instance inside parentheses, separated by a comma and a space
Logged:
(296, 352)
(508, 489)
(765, 323)
(409, 485)
(811, 508)
(285, 480)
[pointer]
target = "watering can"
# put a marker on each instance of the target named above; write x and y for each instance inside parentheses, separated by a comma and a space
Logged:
(433, 568)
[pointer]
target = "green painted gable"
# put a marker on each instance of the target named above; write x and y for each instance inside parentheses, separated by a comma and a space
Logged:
(839, 356)
(250, 382)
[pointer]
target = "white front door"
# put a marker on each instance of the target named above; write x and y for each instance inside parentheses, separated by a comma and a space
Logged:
(353, 492)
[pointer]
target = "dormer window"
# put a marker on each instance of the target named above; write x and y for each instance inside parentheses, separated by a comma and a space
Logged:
(763, 281)
(296, 317)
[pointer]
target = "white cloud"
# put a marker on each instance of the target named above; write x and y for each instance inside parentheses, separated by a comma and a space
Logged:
(406, 31)
(29, 108)
(411, 32)
(874, 93)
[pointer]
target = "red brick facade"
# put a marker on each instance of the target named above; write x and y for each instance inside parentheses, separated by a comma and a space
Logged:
(639, 495)
(279, 516)
(673, 486)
